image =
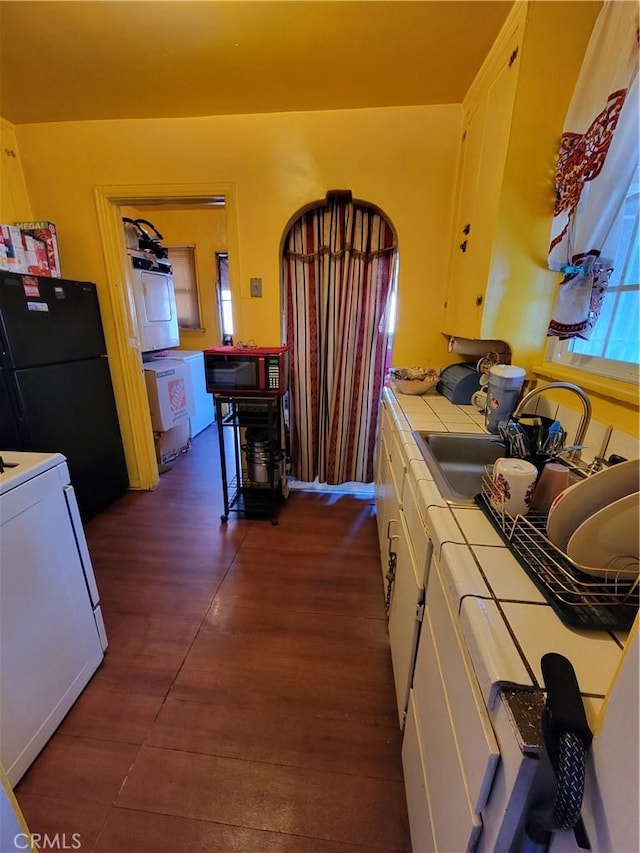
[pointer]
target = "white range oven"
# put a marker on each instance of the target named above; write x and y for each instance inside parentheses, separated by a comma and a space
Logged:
(52, 636)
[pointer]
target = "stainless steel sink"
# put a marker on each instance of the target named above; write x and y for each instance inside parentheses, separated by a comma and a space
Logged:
(457, 461)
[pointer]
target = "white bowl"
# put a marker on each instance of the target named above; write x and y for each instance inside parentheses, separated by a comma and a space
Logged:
(576, 503)
(607, 544)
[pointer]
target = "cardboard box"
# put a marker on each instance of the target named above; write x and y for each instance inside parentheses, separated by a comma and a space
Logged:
(45, 231)
(169, 390)
(12, 254)
(36, 255)
(170, 444)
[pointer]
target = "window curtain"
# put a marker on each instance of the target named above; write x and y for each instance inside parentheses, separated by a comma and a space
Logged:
(598, 157)
(338, 267)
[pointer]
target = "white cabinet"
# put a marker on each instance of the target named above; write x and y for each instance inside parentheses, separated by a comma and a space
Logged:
(415, 784)
(388, 489)
(453, 824)
(387, 509)
(459, 752)
(405, 616)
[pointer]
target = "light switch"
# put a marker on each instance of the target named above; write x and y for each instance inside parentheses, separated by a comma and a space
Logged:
(256, 286)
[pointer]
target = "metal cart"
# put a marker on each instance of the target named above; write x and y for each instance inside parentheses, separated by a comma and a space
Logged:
(252, 455)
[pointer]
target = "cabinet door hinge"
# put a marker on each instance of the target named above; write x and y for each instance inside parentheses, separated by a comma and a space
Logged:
(513, 57)
(420, 613)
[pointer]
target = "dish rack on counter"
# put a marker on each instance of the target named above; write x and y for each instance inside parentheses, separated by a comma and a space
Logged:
(579, 599)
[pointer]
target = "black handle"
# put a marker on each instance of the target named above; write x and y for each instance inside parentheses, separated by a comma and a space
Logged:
(564, 711)
(135, 225)
(141, 222)
(567, 738)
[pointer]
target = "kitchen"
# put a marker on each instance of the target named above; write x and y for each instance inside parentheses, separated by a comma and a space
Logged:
(402, 158)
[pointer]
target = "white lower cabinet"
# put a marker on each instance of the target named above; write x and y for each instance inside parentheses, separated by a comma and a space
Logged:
(415, 784)
(405, 615)
(475, 739)
(388, 492)
(457, 749)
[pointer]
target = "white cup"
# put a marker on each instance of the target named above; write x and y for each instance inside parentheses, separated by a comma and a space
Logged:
(479, 399)
(513, 483)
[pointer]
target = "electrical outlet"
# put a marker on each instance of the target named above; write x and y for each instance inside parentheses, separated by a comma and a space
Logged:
(256, 286)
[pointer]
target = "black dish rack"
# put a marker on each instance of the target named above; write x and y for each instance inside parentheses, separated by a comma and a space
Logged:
(579, 599)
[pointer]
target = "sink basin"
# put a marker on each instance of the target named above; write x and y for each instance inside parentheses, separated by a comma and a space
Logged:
(457, 461)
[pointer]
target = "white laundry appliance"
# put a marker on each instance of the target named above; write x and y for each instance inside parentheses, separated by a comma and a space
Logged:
(155, 302)
(52, 636)
(203, 413)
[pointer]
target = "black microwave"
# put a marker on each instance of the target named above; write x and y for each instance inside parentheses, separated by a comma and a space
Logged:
(247, 371)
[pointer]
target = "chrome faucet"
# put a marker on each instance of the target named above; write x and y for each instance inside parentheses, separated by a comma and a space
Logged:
(574, 455)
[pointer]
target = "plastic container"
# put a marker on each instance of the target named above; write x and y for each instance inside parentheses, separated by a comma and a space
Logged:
(503, 393)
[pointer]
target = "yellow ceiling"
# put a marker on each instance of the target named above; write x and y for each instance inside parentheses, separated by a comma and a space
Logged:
(111, 59)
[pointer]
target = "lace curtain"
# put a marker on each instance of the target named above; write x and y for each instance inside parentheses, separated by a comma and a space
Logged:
(597, 160)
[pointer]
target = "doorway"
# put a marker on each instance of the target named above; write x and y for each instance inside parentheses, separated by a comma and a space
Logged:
(119, 309)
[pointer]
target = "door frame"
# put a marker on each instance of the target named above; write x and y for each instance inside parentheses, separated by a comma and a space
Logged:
(119, 309)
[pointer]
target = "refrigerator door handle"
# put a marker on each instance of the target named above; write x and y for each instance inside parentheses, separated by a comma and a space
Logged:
(81, 542)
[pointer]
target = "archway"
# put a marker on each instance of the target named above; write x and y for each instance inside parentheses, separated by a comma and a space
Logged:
(339, 262)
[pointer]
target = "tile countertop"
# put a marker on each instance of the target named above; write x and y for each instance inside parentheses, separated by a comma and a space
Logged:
(506, 622)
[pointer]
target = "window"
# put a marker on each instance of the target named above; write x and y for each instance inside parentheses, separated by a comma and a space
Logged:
(614, 347)
(223, 294)
(185, 283)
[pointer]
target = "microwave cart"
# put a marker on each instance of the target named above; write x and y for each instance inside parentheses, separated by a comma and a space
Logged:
(253, 455)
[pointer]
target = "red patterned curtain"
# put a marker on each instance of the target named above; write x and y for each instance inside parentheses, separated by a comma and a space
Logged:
(598, 158)
(338, 267)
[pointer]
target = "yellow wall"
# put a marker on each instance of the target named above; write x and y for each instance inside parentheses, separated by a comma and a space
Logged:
(14, 198)
(401, 159)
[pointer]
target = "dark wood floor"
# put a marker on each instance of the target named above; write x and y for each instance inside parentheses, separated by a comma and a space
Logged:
(246, 699)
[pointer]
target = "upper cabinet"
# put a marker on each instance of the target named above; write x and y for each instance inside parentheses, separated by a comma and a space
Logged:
(488, 110)
(499, 286)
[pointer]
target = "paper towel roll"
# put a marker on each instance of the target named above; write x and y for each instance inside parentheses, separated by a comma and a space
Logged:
(467, 346)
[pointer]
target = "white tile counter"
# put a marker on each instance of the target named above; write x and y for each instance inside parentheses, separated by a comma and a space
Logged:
(506, 622)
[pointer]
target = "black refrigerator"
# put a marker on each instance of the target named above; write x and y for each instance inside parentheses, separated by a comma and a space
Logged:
(55, 385)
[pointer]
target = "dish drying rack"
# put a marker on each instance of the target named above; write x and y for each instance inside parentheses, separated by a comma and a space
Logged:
(579, 599)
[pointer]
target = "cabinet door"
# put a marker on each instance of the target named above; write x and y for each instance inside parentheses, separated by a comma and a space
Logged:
(469, 719)
(383, 484)
(484, 151)
(454, 824)
(420, 826)
(404, 617)
(387, 511)
(463, 278)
